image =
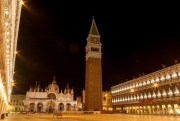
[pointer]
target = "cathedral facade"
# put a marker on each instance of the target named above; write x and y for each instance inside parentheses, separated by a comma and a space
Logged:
(50, 99)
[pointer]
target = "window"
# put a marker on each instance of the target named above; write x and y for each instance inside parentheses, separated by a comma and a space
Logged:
(94, 49)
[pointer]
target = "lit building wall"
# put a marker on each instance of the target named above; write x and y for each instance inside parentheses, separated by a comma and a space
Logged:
(154, 93)
(10, 11)
(106, 100)
(51, 99)
(17, 102)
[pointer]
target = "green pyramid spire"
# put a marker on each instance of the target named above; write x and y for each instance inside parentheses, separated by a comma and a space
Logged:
(93, 29)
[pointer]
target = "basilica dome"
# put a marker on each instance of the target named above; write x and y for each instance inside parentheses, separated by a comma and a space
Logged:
(53, 86)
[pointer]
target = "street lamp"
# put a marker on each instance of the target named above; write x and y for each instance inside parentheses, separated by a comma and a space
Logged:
(155, 85)
(13, 83)
(132, 90)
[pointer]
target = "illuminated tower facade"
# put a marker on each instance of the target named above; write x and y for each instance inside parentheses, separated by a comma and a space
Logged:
(93, 84)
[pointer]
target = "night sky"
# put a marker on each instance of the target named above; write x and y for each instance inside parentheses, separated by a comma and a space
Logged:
(136, 38)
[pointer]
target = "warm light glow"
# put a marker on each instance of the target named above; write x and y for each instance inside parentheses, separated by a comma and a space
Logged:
(155, 85)
(22, 2)
(6, 12)
(132, 90)
(6, 23)
(171, 111)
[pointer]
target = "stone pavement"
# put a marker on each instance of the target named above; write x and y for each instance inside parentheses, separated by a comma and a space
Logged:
(91, 117)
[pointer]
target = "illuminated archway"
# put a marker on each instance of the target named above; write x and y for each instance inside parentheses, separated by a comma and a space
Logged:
(61, 106)
(68, 106)
(50, 106)
(31, 107)
(40, 107)
(52, 96)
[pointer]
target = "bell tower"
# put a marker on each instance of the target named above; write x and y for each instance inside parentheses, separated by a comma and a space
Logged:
(93, 83)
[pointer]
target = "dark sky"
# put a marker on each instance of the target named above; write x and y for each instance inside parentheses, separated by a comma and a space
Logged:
(135, 37)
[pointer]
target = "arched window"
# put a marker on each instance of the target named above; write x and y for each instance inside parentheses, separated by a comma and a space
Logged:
(141, 96)
(164, 94)
(149, 95)
(176, 91)
(158, 94)
(154, 95)
(170, 92)
(145, 96)
(52, 96)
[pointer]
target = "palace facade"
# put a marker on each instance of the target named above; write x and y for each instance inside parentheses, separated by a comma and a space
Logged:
(154, 93)
(50, 99)
(17, 102)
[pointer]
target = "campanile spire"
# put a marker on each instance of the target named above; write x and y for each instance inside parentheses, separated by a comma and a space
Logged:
(93, 84)
(93, 29)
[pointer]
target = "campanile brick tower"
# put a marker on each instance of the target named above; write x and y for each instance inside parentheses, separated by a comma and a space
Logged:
(93, 84)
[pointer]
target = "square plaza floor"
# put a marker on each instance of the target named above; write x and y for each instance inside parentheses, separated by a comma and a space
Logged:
(91, 117)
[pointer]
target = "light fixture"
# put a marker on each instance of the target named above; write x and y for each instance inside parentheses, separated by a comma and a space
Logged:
(6, 23)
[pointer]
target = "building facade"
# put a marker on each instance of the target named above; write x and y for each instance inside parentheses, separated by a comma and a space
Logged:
(105, 99)
(93, 77)
(10, 11)
(154, 93)
(50, 99)
(17, 102)
(109, 101)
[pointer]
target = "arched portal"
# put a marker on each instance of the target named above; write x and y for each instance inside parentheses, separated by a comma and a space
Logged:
(61, 106)
(50, 106)
(164, 109)
(68, 106)
(31, 107)
(40, 107)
